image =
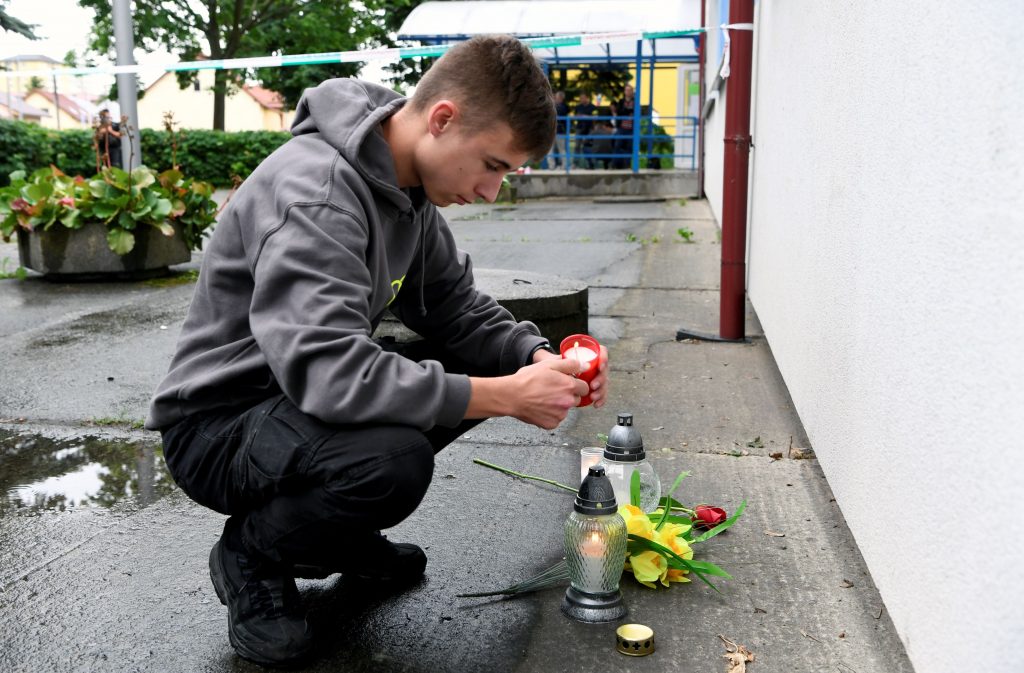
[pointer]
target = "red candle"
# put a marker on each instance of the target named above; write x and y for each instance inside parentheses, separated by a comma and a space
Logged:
(587, 351)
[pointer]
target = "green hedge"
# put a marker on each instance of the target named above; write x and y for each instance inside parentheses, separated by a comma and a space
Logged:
(213, 156)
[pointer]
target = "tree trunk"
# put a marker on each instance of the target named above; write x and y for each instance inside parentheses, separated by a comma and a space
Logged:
(220, 81)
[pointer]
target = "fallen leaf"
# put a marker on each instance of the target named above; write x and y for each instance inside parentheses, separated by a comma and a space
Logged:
(756, 443)
(846, 584)
(776, 455)
(737, 655)
(797, 453)
(843, 634)
(773, 533)
(761, 610)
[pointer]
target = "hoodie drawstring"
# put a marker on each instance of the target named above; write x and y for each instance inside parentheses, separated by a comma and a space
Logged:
(423, 267)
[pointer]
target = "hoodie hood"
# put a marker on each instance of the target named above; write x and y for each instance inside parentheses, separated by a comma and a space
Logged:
(347, 114)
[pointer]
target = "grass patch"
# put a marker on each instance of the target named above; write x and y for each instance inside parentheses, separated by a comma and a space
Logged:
(686, 234)
(111, 422)
(5, 273)
(175, 279)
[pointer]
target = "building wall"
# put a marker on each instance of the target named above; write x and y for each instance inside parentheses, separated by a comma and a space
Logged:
(66, 120)
(66, 84)
(194, 109)
(886, 265)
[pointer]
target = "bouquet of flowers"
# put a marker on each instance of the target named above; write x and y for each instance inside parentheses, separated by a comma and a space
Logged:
(660, 547)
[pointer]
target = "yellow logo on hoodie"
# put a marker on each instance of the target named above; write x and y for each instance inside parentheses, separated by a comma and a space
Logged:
(396, 287)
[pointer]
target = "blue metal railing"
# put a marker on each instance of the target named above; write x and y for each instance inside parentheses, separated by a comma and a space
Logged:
(607, 145)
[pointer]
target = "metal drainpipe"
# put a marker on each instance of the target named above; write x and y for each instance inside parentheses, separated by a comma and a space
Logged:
(735, 174)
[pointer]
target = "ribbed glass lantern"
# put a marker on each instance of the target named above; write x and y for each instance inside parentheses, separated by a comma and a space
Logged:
(623, 455)
(595, 551)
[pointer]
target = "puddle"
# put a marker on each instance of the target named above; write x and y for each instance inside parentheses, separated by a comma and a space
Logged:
(39, 473)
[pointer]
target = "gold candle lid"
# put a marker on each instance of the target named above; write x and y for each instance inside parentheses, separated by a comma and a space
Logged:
(636, 640)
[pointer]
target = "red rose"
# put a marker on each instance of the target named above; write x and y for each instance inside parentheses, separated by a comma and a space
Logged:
(68, 201)
(706, 517)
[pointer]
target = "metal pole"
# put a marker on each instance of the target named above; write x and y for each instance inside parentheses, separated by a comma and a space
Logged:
(10, 106)
(127, 97)
(735, 173)
(17, 85)
(56, 100)
(650, 106)
(636, 105)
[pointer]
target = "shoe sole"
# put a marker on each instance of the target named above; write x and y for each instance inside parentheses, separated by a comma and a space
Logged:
(220, 587)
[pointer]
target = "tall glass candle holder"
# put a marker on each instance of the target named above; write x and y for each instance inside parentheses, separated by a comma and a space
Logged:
(595, 552)
(623, 455)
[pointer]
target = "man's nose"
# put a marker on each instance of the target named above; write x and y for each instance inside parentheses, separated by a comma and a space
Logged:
(488, 190)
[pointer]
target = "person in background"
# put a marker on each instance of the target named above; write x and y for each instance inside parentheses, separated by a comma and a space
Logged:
(583, 112)
(623, 108)
(558, 155)
(603, 143)
(108, 140)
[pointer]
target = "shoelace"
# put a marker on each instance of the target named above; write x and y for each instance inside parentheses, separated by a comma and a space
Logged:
(272, 596)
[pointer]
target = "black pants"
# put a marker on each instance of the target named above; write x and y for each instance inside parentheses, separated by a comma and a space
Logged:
(305, 491)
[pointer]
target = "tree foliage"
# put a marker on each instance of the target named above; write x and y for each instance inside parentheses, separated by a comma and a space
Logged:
(239, 28)
(12, 25)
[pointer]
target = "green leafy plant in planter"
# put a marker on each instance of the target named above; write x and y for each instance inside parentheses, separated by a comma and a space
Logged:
(124, 202)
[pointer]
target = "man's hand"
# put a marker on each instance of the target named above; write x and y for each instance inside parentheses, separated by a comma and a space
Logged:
(540, 394)
(599, 384)
(545, 391)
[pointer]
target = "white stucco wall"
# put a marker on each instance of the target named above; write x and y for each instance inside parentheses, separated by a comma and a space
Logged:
(194, 109)
(886, 264)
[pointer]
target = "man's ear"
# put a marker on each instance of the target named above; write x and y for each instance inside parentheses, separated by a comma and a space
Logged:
(442, 116)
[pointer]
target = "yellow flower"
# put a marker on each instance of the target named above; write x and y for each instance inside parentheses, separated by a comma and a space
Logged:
(668, 537)
(675, 575)
(637, 522)
(648, 567)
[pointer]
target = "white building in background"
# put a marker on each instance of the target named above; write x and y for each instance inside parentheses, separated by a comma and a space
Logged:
(62, 112)
(15, 107)
(886, 265)
(250, 108)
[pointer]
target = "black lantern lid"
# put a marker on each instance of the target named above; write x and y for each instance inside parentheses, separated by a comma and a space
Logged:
(624, 442)
(596, 495)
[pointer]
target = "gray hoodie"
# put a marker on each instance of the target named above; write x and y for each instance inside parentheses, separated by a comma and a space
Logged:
(313, 249)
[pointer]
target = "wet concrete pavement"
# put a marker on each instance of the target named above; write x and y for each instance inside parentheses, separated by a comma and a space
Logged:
(103, 562)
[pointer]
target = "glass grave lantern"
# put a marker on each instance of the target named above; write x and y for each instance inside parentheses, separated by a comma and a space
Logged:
(623, 455)
(595, 552)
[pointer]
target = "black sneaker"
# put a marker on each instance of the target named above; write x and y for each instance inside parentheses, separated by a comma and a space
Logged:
(266, 622)
(376, 559)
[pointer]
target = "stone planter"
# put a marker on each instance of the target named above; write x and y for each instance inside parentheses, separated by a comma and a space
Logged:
(83, 254)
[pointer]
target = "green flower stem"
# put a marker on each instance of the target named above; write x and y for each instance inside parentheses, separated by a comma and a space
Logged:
(521, 475)
(553, 576)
